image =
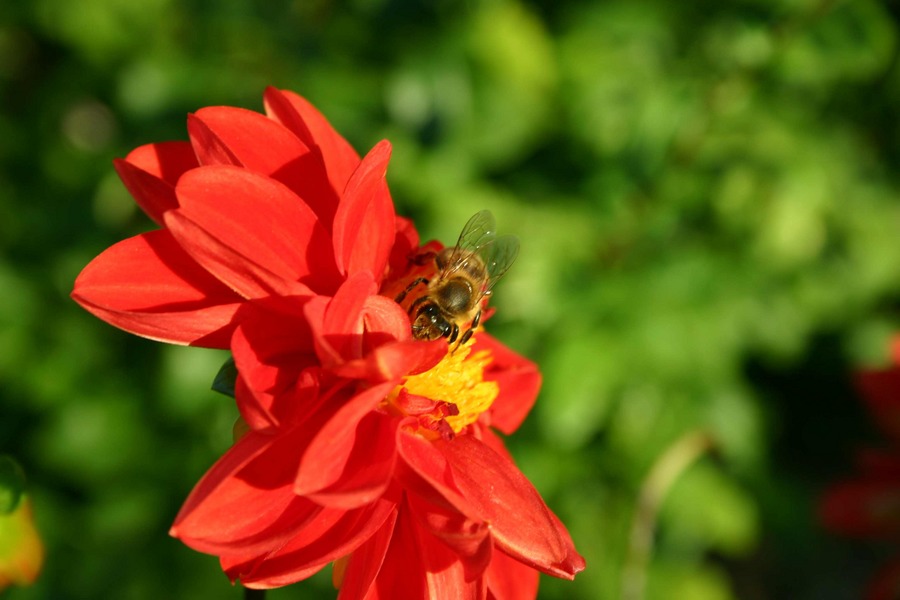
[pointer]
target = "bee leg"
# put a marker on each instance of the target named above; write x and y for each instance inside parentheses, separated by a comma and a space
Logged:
(409, 288)
(471, 330)
(454, 333)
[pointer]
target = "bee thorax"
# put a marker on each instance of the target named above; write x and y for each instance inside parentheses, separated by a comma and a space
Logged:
(455, 296)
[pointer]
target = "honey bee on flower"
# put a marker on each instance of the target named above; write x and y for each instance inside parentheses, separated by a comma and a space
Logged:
(466, 273)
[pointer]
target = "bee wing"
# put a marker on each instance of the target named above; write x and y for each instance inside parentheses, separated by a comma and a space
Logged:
(479, 232)
(479, 238)
(498, 256)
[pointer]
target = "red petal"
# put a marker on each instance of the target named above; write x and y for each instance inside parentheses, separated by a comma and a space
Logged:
(336, 456)
(518, 379)
(508, 579)
(393, 360)
(255, 407)
(253, 233)
(245, 502)
(224, 135)
(314, 310)
(469, 539)
(149, 286)
(150, 173)
(445, 574)
(417, 566)
(365, 562)
(273, 352)
(337, 324)
(406, 242)
(334, 534)
(364, 226)
(521, 523)
(369, 468)
(402, 574)
(308, 124)
(269, 396)
(429, 474)
(384, 322)
(234, 136)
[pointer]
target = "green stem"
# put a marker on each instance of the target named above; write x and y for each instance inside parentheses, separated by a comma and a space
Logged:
(665, 472)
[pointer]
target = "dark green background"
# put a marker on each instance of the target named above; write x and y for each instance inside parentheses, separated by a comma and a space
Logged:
(709, 209)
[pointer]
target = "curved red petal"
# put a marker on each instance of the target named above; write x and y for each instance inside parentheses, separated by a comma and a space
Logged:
(150, 173)
(269, 395)
(445, 574)
(368, 469)
(390, 361)
(250, 231)
(337, 324)
(245, 501)
(469, 539)
(334, 455)
(225, 135)
(417, 566)
(297, 114)
(364, 225)
(406, 242)
(235, 136)
(385, 321)
(521, 523)
(314, 310)
(255, 407)
(508, 579)
(519, 381)
(277, 366)
(429, 474)
(365, 562)
(333, 534)
(149, 286)
(402, 573)
(166, 161)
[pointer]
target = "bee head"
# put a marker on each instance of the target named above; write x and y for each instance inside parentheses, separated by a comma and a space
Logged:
(430, 323)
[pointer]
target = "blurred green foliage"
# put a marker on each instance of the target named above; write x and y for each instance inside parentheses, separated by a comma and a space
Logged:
(709, 207)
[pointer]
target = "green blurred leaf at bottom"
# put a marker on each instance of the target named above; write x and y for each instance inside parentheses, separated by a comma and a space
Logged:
(21, 549)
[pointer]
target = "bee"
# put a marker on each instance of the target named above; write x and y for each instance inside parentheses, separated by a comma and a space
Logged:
(464, 276)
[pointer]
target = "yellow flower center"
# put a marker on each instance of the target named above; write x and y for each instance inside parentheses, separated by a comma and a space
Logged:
(457, 380)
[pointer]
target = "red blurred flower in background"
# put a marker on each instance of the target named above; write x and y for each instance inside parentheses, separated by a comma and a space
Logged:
(361, 445)
(868, 504)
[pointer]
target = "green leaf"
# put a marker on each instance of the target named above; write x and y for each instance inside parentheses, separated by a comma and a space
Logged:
(12, 484)
(225, 378)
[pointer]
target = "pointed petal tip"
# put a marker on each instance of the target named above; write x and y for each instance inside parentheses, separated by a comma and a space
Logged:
(573, 565)
(383, 147)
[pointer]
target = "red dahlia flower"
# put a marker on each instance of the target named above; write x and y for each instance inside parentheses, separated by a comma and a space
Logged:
(868, 505)
(361, 446)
